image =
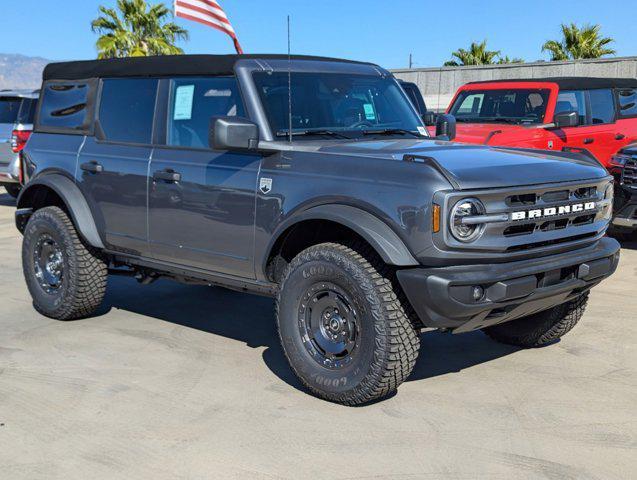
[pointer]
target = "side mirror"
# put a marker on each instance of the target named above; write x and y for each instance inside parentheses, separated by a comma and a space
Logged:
(566, 119)
(429, 118)
(233, 133)
(446, 127)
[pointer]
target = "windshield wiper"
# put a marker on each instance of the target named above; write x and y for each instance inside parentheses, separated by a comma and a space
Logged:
(329, 133)
(392, 131)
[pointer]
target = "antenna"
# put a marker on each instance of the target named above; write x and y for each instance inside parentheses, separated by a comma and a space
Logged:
(289, 84)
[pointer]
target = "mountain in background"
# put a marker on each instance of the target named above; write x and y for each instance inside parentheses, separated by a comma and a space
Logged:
(20, 71)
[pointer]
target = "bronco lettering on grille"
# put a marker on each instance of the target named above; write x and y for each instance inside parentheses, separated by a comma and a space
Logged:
(540, 213)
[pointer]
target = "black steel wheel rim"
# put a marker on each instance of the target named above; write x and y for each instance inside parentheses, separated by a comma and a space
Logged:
(48, 264)
(329, 325)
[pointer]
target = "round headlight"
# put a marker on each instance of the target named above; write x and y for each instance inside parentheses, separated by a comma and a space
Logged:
(466, 232)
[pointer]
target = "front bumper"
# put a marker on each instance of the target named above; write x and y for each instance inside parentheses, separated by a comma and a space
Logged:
(442, 297)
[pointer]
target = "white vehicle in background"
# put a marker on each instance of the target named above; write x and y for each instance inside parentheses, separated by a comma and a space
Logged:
(17, 110)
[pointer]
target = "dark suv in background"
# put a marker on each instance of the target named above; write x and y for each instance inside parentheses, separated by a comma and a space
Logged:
(624, 168)
(331, 197)
(17, 109)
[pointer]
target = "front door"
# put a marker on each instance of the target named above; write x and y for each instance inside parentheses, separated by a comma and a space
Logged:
(112, 170)
(202, 202)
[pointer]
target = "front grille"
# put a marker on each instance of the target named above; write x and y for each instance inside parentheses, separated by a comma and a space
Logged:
(518, 219)
(629, 176)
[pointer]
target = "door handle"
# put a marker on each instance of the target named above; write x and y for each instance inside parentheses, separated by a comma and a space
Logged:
(167, 176)
(620, 136)
(92, 167)
(588, 141)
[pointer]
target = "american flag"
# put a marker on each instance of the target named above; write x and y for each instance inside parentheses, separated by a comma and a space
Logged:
(208, 12)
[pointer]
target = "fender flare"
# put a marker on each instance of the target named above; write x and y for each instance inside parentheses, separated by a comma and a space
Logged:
(377, 233)
(72, 197)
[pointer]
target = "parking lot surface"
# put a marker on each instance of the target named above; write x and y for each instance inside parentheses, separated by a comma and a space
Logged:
(173, 381)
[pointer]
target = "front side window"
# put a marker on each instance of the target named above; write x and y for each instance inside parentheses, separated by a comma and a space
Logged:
(193, 102)
(518, 106)
(127, 109)
(336, 102)
(602, 106)
(628, 102)
(572, 101)
(9, 108)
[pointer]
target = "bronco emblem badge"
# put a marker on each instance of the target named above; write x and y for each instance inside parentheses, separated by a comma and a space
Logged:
(554, 211)
(265, 185)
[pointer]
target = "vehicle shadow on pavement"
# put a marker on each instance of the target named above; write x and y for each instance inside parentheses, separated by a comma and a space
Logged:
(239, 316)
(250, 319)
(444, 353)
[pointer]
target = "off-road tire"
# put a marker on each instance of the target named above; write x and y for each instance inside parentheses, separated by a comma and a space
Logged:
(84, 274)
(541, 328)
(389, 343)
(13, 190)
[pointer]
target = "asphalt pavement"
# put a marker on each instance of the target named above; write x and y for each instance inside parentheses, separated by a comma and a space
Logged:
(187, 382)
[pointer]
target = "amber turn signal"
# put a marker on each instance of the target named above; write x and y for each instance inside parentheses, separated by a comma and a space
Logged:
(435, 213)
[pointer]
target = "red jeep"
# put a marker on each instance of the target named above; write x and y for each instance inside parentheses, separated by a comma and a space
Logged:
(598, 115)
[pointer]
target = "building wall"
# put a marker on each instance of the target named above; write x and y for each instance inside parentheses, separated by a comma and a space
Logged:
(438, 85)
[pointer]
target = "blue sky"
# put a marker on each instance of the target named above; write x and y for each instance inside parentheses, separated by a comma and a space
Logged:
(374, 30)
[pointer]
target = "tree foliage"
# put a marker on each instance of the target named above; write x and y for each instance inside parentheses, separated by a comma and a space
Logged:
(136, 29)
(578, 43)
(479, 54)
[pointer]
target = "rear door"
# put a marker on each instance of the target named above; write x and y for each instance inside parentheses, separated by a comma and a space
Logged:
(202, 201)
(113, 165)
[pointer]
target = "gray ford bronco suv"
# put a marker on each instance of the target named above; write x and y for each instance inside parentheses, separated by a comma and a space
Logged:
(329, 195)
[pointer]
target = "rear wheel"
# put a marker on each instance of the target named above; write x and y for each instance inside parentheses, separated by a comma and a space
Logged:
(541, 328)
(343, 329)
(66, 278)
(12, 189)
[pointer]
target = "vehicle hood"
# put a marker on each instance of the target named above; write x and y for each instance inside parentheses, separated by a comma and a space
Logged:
(477, 166)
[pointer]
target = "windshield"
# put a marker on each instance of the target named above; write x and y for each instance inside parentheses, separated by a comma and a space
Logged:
(501, 106)
(336, 104)
(9, 107)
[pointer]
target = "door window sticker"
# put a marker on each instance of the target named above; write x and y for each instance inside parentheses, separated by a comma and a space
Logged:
(184, 96)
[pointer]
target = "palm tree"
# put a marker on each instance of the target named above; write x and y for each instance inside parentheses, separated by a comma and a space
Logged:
(479, 55)
(506, 59)
(577, 43)
(476, 55)
(142, 30)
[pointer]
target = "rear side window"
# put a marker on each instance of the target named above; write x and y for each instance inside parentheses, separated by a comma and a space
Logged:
(628, 103)
(193, 101)
(9, 108)
(127, 109)
(602, 106)
(27, 110)
(65, 107)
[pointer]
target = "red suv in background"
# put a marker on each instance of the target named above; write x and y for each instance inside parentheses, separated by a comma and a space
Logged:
(598, 115)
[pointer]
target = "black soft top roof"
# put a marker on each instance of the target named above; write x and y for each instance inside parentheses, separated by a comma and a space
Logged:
(167, 65)
(575, 83)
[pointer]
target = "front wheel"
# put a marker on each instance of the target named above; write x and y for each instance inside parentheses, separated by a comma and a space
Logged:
(66, 279)
(541, 328)
(342, 326)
